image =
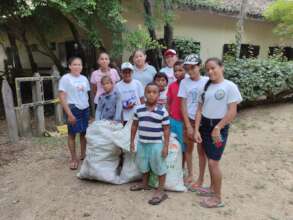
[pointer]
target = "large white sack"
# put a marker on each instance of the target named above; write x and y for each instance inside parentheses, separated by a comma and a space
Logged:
(102, 156)
(174, 176)
(129, 172)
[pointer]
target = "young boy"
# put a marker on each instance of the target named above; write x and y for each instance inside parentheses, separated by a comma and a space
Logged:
(161, 80)
(109, 104)
(130, 91)
(152, 122)
(176, 119)
(170, 56)
(189, 91)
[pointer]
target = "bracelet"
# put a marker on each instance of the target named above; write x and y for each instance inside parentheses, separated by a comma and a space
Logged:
(217, 127)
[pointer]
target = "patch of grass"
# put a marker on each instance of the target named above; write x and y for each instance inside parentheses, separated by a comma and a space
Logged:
(49, 141)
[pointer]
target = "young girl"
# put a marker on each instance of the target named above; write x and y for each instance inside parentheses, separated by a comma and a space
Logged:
(217, 109)
(161, 80)
(104, 70)
(170, 56)
(73, 95)
(142, 71)
(189, 91)
(109, 103)
(131, 92)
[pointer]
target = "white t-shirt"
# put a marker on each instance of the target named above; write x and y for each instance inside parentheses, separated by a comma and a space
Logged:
(218, 97)
(190, 90)
(129, 93)
(76, 89)
(170, 74)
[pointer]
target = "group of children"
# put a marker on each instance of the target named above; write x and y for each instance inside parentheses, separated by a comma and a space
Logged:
(177, 99)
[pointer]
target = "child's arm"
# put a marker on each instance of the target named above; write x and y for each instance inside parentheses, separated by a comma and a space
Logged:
(197, 136)
(118, 109)
(65, 106)
(228, 118)
(133, 133)
(166, 130)
(185, 117)
(99, 109)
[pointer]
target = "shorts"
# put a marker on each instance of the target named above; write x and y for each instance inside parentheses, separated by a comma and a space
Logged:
(177, 128)
(149, 157)
(82, 118)
(212, 151)
(187, 140)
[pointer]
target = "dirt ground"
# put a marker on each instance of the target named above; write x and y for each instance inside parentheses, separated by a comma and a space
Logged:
(257, 165)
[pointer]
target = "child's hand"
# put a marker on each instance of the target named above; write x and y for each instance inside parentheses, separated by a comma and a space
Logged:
(216, 134)
(190, 132)
(197, 137)
(132, 147)
(71, 119)
(165, 152)
(130, 106)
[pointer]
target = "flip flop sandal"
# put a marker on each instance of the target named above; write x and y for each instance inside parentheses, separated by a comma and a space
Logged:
(194, 187)
(219, 204)
(139, 188)
(205, 192)
(156, 200)
(73, 165)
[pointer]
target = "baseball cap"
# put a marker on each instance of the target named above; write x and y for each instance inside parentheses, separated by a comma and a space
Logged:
(170, 52)
(192, 59)
(126, 65)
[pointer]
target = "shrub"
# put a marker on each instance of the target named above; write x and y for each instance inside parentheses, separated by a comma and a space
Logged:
(185, 47)
(261, 80)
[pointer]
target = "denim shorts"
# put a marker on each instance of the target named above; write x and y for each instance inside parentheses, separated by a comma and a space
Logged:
(149, 157)
(212, 151)
(82, 118)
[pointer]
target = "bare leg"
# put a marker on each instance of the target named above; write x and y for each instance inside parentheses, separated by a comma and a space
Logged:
(71, 146)
(188, 157)
(202, 164)
(216, 176)
(82, 145)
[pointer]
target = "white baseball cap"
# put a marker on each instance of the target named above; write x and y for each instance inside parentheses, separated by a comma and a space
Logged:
(127, 65)
(192, 59)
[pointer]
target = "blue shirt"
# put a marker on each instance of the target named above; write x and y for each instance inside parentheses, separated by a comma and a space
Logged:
(146, 75)
(150, 123)
(109, 107)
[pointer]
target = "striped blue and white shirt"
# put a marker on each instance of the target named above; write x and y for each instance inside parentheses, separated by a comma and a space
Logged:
(150, 123)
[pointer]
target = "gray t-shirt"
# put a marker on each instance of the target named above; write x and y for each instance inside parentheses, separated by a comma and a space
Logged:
(190, 90)
(146, 75)
(218, 97)
(76, 89)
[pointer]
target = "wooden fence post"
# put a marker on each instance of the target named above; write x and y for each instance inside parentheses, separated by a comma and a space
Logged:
(57, 106)
(24, 121)
(38, 95)
(9, 112)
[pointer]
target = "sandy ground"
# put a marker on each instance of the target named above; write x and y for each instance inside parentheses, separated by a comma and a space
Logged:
(35, 182)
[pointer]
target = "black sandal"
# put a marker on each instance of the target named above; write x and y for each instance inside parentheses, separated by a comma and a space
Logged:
(156, 200)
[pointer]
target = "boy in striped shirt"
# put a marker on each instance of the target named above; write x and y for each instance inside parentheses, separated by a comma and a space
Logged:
(152, 123)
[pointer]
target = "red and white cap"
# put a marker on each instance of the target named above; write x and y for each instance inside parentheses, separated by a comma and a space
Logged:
(170, 52)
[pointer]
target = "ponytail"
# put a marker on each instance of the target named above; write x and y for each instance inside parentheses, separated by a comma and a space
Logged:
(206, 86)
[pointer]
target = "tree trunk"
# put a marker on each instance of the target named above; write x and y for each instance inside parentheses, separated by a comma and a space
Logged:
(154, 55)
(240, 28)
(15, 58)
(33, 64)
(77, 39)
(168, 29)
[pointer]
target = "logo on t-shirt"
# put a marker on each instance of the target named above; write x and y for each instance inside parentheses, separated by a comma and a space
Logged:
(220, 94)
